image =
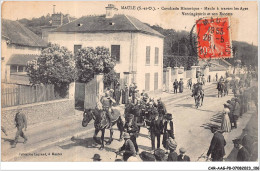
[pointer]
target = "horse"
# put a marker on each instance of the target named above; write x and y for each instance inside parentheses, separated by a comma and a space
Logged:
(101, 123)
(198, 94)
(220, 88)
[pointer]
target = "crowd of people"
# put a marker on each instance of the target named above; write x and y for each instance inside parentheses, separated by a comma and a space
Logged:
(142, 110)
(234, 110)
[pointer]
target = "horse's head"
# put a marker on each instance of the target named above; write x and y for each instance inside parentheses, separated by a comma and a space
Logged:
(87, 117)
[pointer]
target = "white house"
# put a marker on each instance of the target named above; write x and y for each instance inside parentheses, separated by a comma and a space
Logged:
(19, 45)
(137, 47)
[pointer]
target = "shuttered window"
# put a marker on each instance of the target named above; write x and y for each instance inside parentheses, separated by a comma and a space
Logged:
(148, 49)
(156, 56)
(147, 82)
(156, 81)
(115, 52)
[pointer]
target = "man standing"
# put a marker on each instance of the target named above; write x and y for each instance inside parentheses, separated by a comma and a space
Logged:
(107, 103)
(209, 78)
(175, 86)
(161, 108)
(181, 85)
(216, 77)
(123, 95)
(172, 144)
(20, 122)
(128, 148)
(236, 112)
(243, 154)
(217, 145)
(131, 128)
(182, 156)
(156, 131)
(117, 94)
(168, 129)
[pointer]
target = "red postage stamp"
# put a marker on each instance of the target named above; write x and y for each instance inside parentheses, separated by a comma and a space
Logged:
(214, 38)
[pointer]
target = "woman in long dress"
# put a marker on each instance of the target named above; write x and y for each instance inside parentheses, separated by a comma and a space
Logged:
(225, 124)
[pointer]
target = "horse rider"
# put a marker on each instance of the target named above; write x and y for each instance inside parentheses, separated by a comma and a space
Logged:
(107, 103)
(197, 89)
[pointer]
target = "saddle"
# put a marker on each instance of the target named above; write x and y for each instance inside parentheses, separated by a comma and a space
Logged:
(114, 117)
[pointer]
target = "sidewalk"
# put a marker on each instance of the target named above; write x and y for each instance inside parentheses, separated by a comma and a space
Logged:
(52, 132)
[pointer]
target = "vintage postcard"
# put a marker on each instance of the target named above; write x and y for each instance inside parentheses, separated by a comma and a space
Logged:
(129, 81)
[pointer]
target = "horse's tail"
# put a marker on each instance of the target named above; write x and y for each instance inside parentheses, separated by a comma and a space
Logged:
(120, 123)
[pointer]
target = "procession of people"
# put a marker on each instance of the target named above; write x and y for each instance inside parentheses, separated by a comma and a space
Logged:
(144, 112)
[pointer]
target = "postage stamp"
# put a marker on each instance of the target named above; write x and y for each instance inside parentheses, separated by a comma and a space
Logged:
(214, 38)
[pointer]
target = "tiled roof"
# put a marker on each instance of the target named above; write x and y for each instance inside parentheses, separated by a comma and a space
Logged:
(21, 59)
(16, 33)
(118, 23)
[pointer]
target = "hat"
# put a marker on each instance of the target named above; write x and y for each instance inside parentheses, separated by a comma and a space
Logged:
(159, 154)
(96, 157)
(168, 116)
(126, 135)
(172, 144)
(182, 150)
(237, 141)
(125, 84)
(181, 78)
(130, 116)
(228, 101)
(146, 156)
(214, 127)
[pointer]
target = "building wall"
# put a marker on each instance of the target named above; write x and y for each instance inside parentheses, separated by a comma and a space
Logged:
(7, 51)
(38, 112)
(132, 52)
(97, 39)
(144, 40)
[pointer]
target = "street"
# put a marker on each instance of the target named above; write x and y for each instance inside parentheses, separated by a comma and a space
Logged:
(191, 128)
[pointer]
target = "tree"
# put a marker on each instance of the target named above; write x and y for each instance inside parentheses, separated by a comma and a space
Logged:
(90, 62)
(56, 66)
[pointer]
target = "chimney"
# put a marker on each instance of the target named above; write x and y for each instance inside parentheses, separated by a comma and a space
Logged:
(54, 9)
(110, 9)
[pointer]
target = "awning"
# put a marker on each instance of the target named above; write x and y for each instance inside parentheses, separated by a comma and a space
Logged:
(21, 59)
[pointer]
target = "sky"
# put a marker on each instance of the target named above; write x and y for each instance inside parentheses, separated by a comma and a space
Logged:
(243, 23)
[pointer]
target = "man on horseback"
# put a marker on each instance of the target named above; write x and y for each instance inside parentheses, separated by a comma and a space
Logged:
(107, 102)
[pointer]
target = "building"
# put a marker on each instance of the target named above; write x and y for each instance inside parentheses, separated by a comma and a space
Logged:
(137, 47)
(19, 45)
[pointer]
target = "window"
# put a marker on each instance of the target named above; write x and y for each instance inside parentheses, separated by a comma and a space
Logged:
(147, 82)
(156, 59)
(148, 55)
(17, 68)
(76, 48)
(115, 52)
(156, 81)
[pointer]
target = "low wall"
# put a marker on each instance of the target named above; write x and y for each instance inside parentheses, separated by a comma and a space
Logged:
(38, 112)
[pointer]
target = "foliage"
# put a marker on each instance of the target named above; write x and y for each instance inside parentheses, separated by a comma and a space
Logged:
(178, 49)
(90, 61)
(55, 65)
(247, 53)
(36, 24)
(110, 78)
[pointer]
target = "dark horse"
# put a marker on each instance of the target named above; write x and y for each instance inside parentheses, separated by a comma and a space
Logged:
(101, 123)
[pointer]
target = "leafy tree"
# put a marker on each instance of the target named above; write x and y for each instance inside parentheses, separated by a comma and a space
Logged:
(56, 66)
(110, 78)
(90, 61)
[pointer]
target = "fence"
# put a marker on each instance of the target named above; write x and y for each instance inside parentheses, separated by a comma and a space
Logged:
(15, 94)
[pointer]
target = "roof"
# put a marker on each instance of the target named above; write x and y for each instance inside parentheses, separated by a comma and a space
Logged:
(16, 33)
(96, 24)
(21, 59)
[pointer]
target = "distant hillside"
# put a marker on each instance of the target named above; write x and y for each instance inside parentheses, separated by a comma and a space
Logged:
(35, 24)
(177, 43)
